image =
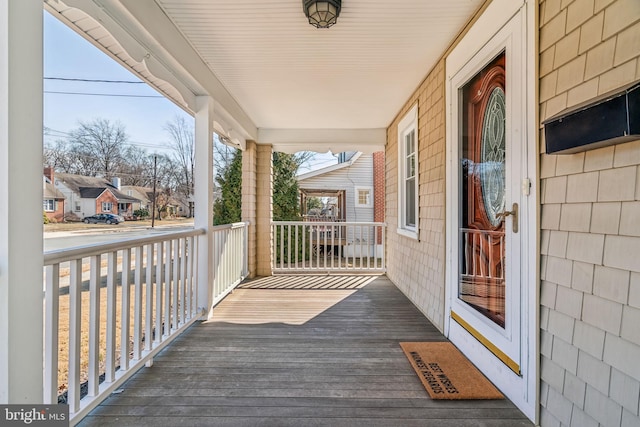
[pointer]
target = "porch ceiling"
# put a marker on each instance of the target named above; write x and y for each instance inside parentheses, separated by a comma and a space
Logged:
(274, 77)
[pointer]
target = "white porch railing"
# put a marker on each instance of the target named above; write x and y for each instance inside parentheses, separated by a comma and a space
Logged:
(110, 308)
(319, 246)
(229, 261)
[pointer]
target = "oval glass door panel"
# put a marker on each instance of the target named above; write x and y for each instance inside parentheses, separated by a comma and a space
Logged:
(492, 158)
(482, 231)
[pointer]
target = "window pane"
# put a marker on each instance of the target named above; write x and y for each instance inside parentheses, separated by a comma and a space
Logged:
(410, 143)
(410, 202)
(411, 166)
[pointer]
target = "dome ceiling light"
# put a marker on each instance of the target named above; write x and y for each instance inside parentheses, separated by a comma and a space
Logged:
(322, 14)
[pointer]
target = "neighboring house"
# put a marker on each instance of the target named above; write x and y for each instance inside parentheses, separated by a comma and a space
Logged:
(52, 199)
(91, 195)
(172, 207)
(351, 190)
(143, 194)
(181, 205)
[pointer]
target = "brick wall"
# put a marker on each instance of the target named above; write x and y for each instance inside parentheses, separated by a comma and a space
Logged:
(418, 267)
(107, 197)
(590, 224)
(58, 214)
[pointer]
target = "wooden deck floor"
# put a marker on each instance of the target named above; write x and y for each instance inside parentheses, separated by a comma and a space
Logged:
(297, 357)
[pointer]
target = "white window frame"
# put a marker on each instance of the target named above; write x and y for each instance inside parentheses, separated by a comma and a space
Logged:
(369, 202)
(104, 206)
(47, 203)
(77, 207)
(407, 125)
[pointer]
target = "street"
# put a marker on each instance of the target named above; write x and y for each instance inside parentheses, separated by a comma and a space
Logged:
(82, 236)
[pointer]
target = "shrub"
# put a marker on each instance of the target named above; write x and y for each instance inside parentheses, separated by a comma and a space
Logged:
(141, 213)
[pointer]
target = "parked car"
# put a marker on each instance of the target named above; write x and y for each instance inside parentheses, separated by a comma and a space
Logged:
(105, 218)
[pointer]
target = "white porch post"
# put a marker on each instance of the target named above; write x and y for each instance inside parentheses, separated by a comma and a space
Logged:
(21, 259)
(203, 196)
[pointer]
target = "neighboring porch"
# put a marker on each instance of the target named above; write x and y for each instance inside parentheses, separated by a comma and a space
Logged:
(320, 350)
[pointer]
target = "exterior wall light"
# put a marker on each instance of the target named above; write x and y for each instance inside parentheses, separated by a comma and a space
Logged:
(322, 14)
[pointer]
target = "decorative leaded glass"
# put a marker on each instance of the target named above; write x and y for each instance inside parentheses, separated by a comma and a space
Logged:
(492, 156)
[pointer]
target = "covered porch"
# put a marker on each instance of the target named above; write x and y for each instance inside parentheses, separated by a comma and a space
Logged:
(292, 351)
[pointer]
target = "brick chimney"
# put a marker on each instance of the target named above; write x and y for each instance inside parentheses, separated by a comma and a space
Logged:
(48, 172)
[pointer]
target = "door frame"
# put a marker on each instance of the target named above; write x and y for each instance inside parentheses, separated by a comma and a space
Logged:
(502, 20)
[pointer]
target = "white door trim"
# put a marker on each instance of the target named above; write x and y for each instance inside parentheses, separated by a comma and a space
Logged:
(484, 38)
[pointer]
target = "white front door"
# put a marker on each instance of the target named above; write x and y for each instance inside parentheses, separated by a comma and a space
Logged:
(486, 293)
(488, 230)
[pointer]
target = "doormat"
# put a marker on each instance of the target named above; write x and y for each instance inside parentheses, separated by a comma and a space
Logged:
(446, 373)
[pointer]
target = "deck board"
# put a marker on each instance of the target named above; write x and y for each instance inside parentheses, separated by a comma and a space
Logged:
(297, 357)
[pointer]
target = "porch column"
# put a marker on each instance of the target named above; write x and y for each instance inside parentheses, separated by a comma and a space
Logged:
(264, 209)
(249, 208)
(21, 259)
(203, 197)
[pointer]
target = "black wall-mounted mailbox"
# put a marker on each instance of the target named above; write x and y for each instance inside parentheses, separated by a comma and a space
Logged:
(611, 119)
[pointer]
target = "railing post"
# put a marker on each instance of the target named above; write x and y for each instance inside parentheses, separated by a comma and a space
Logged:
(21, 262)
(203, 196)
(245, 250)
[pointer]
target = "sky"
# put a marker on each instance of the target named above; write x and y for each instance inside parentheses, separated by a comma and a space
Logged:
(142, 111)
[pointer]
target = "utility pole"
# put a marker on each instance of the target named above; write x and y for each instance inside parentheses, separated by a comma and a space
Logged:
(153, 202)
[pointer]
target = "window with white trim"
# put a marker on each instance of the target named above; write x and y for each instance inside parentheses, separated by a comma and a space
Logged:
(364, 197)
(107, 206)
(408, 174)
(49, 205)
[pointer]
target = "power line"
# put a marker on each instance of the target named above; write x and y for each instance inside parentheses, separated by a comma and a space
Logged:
(103, 94)
(67, 79)
(68, 137)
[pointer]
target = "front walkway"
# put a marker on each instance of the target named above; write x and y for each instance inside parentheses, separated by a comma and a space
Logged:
(297, 357)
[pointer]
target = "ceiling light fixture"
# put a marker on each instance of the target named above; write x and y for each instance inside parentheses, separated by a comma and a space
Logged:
(322, 13)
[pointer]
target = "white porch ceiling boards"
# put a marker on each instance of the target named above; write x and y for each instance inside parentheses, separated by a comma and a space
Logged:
(274, 77)
(287, 74)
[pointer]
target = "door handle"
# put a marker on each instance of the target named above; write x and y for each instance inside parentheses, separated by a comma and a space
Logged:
(514, 213)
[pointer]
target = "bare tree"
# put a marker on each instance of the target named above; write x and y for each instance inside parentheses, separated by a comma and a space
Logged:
(103, 141)
(183, 150)
(137, 167)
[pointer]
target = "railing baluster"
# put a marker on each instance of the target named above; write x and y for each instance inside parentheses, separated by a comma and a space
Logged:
(383, 256)
(148, 334)
(167, 287)
(281, 228)
(52, 304)
(75, 318)
(163, 285)
(288, 245)
(341, 246)
(183, 280)
(189, 283)
(176, 283)
(94, 325)
(112, 271)
(125, 310)
(360, 260)
(137, 311)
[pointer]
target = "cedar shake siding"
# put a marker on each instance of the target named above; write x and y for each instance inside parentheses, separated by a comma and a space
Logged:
(590, 224)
